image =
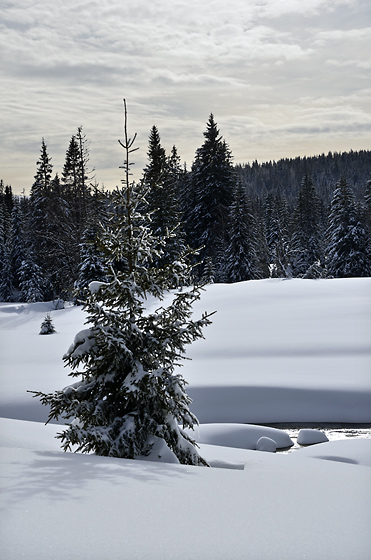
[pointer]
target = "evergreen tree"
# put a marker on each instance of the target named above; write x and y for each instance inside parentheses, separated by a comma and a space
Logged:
(367, 205)
(211, 185)
(6, 284)
(346, 253)
(241, 254)
(32, 282)
(17, 242)
(305, 242)
(40, 223)
(92, 267)
(47, 326)
(161, 180)
(6, 205)
(129, 401)
(278, 237)
(64, 239)
(75, 178)
(367, 210)
(260, 235)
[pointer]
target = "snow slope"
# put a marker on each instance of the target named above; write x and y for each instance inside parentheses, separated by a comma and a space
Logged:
(284, 351)
(277, 350)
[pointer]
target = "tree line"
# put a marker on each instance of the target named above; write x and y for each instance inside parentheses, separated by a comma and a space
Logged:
(302, 217)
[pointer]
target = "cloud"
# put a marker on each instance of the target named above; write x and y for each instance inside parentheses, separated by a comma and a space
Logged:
(269, 70)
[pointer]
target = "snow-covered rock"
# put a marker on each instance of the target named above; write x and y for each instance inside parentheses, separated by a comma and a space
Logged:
(308, 436)
(266, 444)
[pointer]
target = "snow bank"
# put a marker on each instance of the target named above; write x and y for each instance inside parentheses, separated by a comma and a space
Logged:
(238, 435)
(277, 351)
(308, 436)
(354, 451)
(284, 351)
(88, 507)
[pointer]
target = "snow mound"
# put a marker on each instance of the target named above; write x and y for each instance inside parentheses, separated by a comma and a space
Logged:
(160, 453)
(244, 436)
(266, 444)
(308, 436)
(218, 464)
(353, 451)
(23, 434)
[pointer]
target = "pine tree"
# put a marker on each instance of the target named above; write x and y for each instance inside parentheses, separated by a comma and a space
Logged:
(241, 254)
(305, 242)
(346, 252)
(130, 401)
(211, 186)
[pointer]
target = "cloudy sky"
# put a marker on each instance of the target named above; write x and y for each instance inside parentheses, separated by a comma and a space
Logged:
(284, 78)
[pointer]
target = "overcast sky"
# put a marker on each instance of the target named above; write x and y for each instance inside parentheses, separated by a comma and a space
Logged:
(283, 78)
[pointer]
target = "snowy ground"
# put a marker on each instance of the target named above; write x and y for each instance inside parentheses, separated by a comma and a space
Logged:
(277, 351)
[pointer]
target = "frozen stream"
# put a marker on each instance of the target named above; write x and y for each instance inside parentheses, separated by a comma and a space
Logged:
(332, 431)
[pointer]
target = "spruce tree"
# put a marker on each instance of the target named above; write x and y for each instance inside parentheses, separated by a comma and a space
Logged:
(129, 401)
(346, 252)
(367, 207)
(6, 283)
(6, 205)
(211, 186)
(41, 226)
(92, 265)
(32, 281)
(40, 201)
(47, 326)
(241, 255)
(161, 177)
(305, 241)
(278, 237)
(17, 242)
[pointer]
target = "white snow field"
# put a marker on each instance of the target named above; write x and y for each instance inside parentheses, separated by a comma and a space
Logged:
(277, 351)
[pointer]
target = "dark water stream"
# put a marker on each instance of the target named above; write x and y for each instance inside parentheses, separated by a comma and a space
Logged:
(332, 431)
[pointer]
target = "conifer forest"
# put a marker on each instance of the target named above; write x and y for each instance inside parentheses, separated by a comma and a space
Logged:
(305, 217)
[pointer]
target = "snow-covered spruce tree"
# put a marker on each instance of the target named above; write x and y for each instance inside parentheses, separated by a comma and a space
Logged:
(161, 176)
(346, 252)
(306, 251)
(91, 266)
(6, 204)
(241, 253)
(278, 236)
(211, 186)
(47, 326)
(31, 280)
(129, 401)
